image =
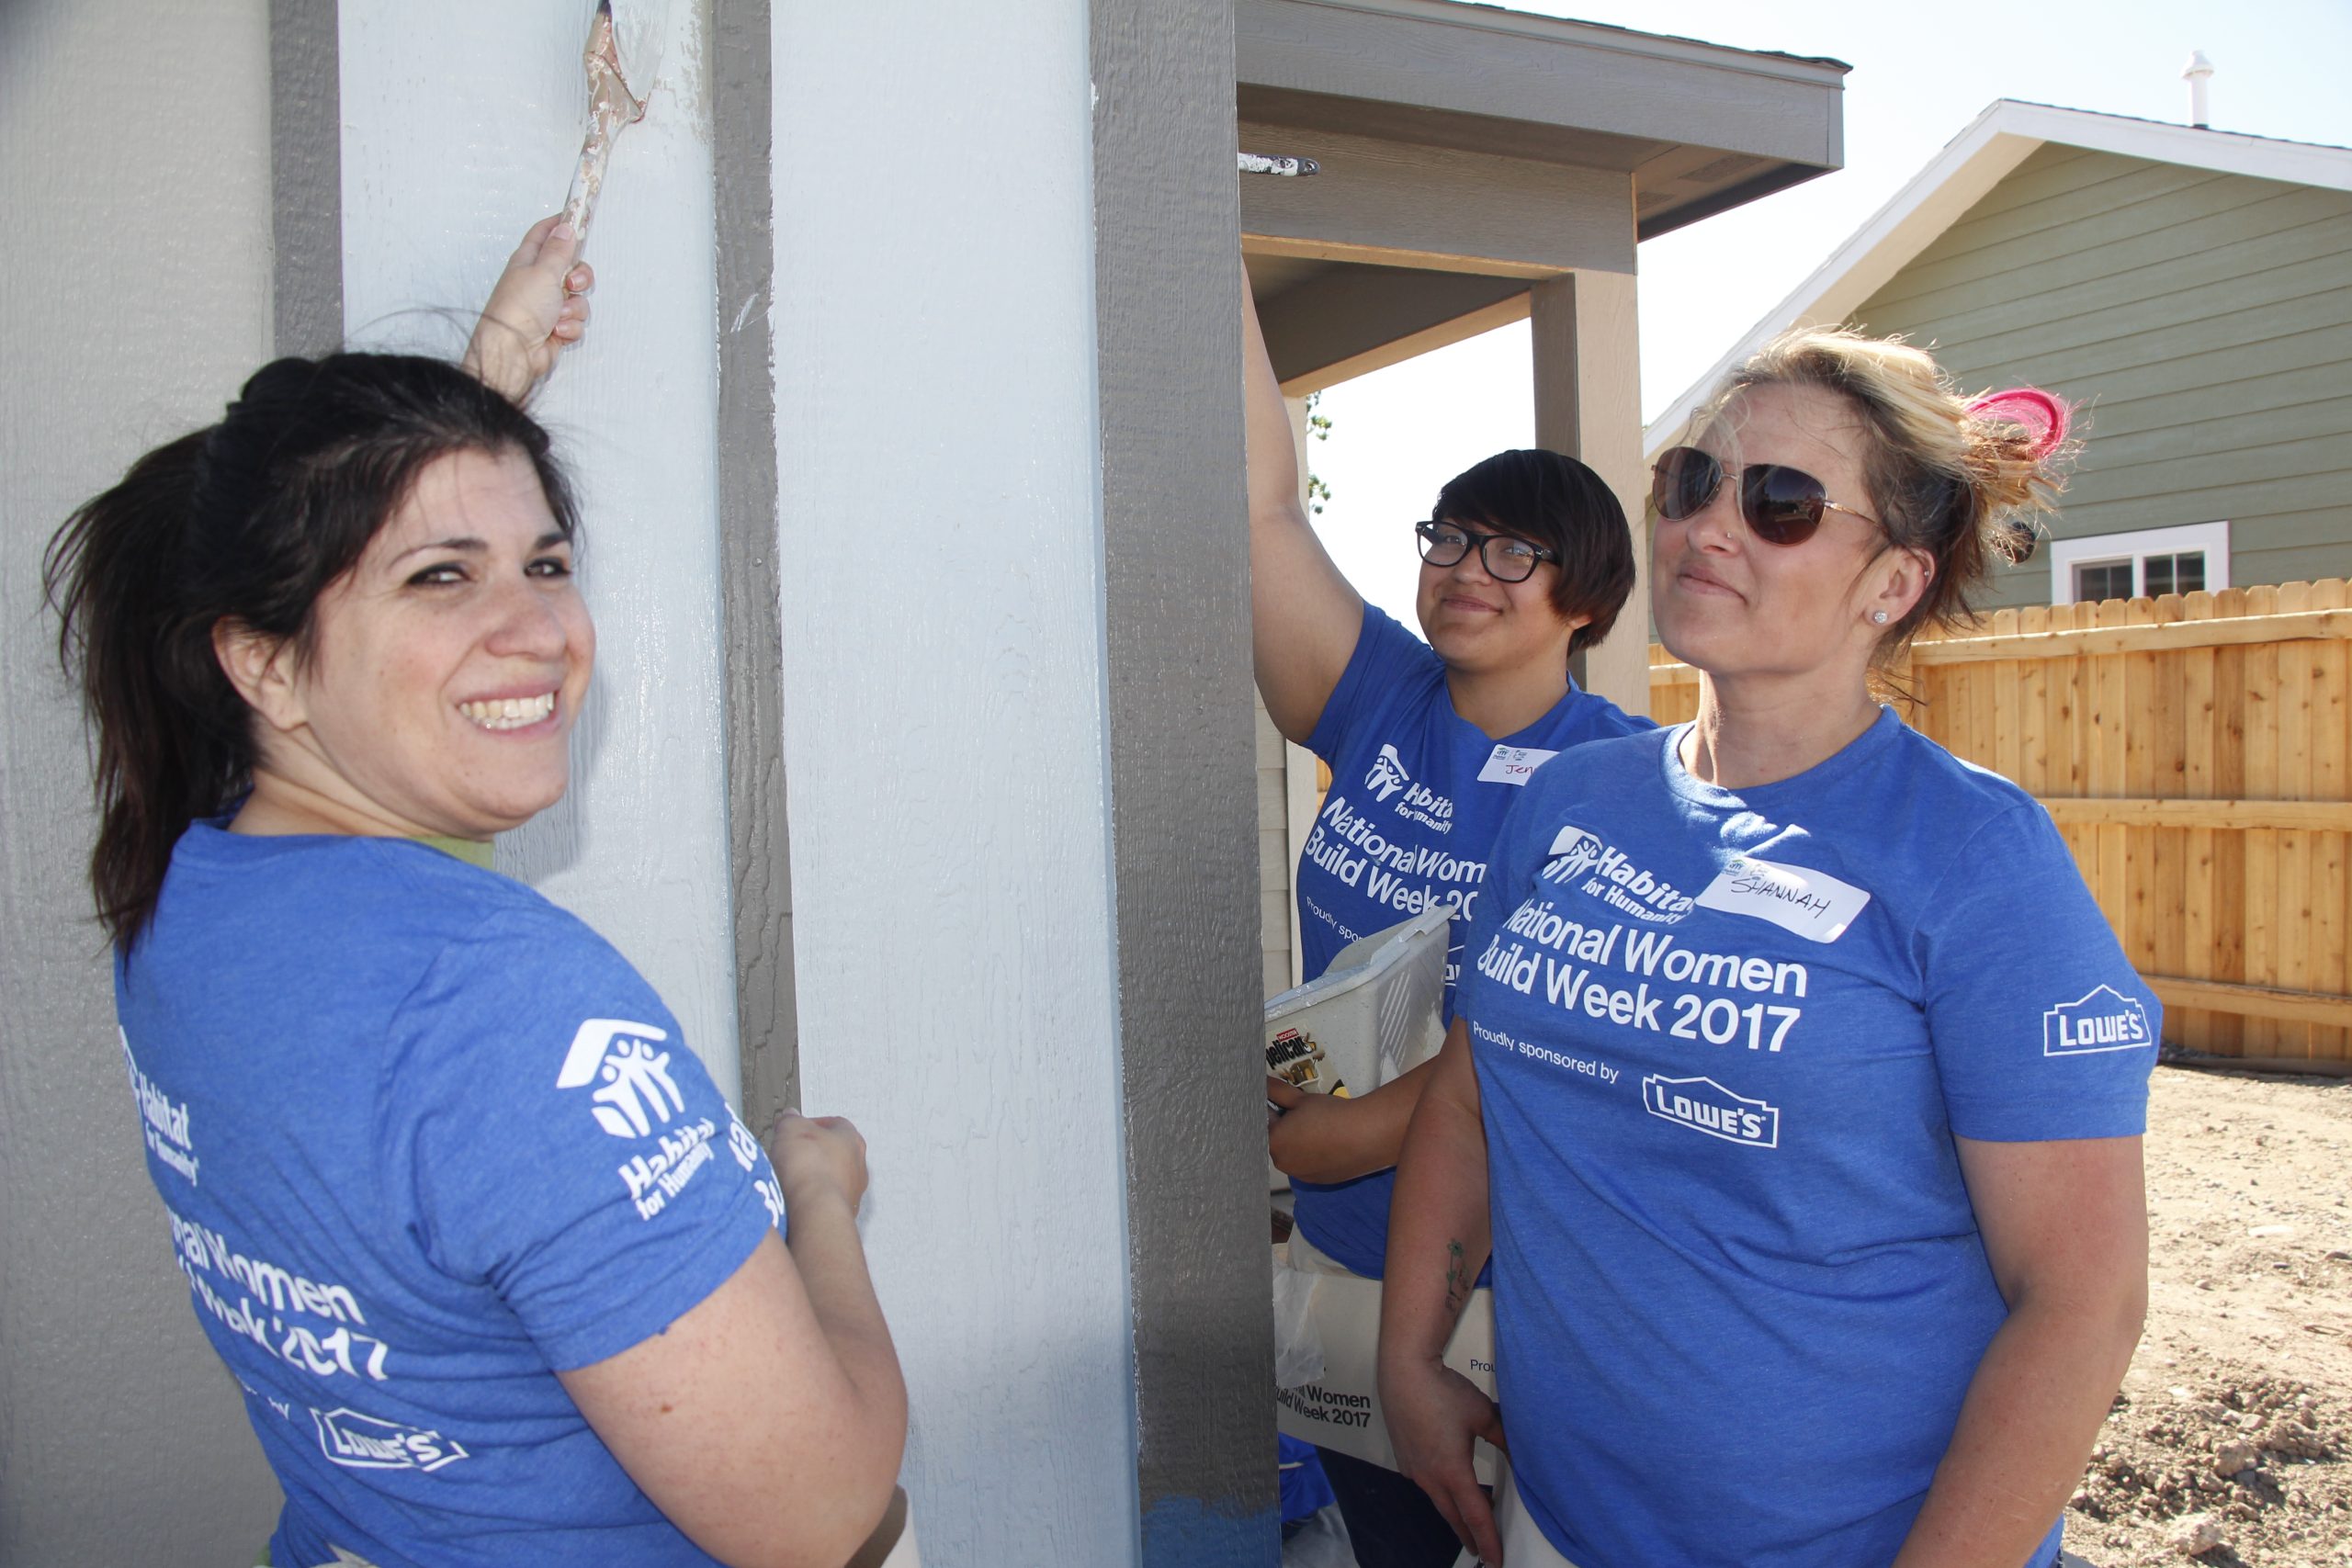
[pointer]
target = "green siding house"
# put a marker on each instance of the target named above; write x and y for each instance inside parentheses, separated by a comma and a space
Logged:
(2189, 289)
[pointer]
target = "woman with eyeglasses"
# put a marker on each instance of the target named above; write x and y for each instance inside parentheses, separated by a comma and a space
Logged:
(1526, 560)
(1797, 1073)
(503, 1278)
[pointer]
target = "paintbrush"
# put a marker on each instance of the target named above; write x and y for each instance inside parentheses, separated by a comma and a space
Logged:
(611, 106)
(1261, 164)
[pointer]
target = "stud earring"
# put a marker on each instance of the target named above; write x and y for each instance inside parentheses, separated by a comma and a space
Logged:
(1879, 616)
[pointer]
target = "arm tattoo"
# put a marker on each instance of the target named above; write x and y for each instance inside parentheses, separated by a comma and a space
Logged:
(1457, 1279)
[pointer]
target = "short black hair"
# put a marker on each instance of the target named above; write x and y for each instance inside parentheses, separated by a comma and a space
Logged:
(1550, 499)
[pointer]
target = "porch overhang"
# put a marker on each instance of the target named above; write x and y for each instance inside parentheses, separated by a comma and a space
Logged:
(1468, 151)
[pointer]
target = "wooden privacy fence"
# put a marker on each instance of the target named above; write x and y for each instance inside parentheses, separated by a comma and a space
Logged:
(2195, 752)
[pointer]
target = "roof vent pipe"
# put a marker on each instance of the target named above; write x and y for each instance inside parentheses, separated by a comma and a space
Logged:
(2198, 72)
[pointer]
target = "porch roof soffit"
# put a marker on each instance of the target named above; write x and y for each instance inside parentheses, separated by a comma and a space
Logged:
(1468, 151)
(1698, 127)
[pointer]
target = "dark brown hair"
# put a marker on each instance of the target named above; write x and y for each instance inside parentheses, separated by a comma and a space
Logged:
(247, 521)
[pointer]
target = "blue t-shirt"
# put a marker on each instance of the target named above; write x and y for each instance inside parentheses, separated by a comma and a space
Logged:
(1417, 794)
(1723, 1043)
(423, 1138)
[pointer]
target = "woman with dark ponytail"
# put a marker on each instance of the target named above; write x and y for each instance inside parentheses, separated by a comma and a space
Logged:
(502, 1275)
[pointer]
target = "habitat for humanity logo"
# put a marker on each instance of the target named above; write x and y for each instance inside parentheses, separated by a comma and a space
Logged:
(1705, 1106)
(1387, 779)
(634, 1088)
(363, 1442)
(1388, 775)
(1578, 859)
(2106, 1020)
(163, 1119)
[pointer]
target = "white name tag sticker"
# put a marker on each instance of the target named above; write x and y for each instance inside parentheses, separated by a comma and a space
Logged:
(1513, 764)
(1813, 904)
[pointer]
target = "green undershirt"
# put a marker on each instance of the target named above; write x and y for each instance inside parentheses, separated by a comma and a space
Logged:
(473, 852)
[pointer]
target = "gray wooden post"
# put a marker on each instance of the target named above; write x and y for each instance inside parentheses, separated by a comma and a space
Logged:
(1183, 788)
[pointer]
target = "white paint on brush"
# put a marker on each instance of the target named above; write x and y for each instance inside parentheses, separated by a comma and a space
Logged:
(642, 33)
(1263, 163)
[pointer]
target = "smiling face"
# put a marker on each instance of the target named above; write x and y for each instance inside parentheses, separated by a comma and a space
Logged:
(445, 669)
(1733, 605)
(1480, 625)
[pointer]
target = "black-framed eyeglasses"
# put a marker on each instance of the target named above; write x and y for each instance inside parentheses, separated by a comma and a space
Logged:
(1780, 504)
(1506, 557)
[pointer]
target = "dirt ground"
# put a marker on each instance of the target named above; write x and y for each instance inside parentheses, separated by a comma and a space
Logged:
(2234, 1431)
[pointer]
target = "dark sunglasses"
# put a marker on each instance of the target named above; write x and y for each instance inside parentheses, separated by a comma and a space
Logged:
(1779, 504)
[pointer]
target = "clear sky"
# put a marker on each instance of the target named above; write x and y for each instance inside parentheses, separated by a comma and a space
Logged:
(1921, 73)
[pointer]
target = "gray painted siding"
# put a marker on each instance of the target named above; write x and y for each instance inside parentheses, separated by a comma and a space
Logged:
(134, 299)
(2205, 322)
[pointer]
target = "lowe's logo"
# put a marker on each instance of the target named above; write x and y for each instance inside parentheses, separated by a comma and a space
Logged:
(2106, 1019)
(1705, 1106)
(364, 1442)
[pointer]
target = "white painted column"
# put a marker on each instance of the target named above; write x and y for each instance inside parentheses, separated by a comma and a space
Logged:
(1588, 404)
(461, 123)
(945, 738)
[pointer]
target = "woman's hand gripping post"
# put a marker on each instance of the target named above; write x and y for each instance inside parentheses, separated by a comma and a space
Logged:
(769, 1421)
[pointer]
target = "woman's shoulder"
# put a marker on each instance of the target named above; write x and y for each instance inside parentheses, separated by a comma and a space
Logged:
(1966, 797)
(1393, 678)
(458, 929)
(399, 899)
(1963, 828)
(507, 982)
(1390, 657)
(478, 918)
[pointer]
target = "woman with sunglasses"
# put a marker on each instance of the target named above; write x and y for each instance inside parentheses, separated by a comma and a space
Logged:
(502, 1277)
(1526, 560)
(1798, 1073)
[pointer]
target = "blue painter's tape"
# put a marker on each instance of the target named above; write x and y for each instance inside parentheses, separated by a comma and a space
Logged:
(1185, 1532)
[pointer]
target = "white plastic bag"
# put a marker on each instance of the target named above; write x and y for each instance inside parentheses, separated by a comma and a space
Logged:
(1298, 1348)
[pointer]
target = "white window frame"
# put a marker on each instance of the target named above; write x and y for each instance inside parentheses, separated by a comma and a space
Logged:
(2213, 539)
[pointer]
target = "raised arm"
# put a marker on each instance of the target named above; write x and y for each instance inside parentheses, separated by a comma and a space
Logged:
(1304, 616)
(537, 309)
(1438, 1240)
(768, 1422)
(2065, 1227)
